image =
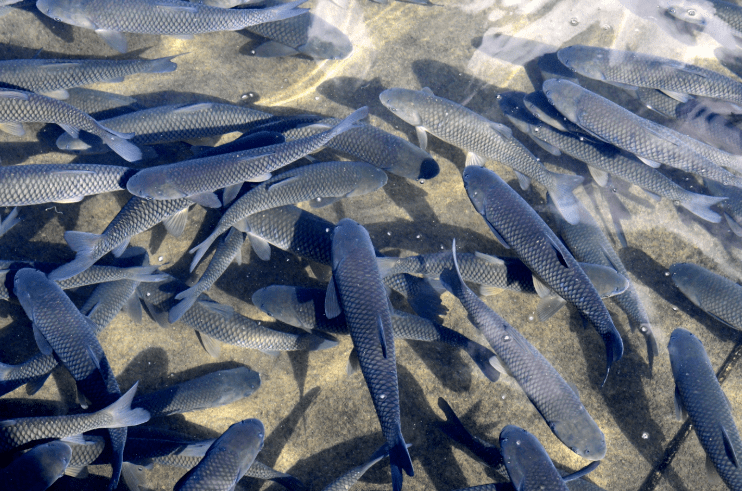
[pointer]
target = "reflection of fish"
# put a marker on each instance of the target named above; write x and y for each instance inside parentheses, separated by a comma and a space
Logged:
(111, 18)
(36, 469)
(481, 138)
(306, 34)
(698, 392)
(717, 296)
(227, 460)
(358, 292)
(52, 77)
(517, 225)
(19, 106)
(552, 396)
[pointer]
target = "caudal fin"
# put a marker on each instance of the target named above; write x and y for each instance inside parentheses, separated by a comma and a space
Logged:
(120, 413)
(187, 299)
(613, 350)
(399, 460)
(564, 199)
(200, 250)
(119, 144)
(84, 244)
(700, 205)
(348, 122)
(162, 65)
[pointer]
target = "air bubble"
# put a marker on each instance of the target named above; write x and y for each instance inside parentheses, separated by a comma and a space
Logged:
(382, 396)
(160, 258)
(645, 436)
(422, 181)
(316, 98)
(327, 230)
(530, 318)
(691, 12)
(574, 21)
(667, 273)
(675, 309)
(506, 338)
(388, 233)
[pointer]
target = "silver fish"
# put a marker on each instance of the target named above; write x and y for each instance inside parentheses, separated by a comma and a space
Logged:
(52, 77)
(110, 18)
(38, 468)
(198, 178)
(716, 295)
(305, 34)
(19, 106)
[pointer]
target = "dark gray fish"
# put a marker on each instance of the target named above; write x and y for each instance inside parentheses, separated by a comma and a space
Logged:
(350, 478)
(604, 160)
(23, 185)
(305, 308)
(516, 225)
(732, 206)
(357, 291)
(588, 243)
(52, 77)
(135, 217)
(481, 138)
(552, 396)
(672, 77)
(198, 178)
(305, 34)
(227, 460)
(325, 182)
(228, 250)
(698, 392)
(20, 106)
(653, 143)
(110, 18)
(527, 462)
(370, 144)
(245, 142)
(211, 390)
(96, 101)
(36, 469)
(699, 121)
(33, 371)
(20, 431)
(717, 296)
(220, 322)
(176, 122)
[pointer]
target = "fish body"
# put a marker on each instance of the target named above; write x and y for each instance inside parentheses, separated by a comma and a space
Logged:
(481, 138)
(20, 106)
(37, 469)
(176, 122)
(305, 34)
(519, 227)
(325, 181)
(717, 296)
(211, 390)
(23, 185)
(53, 77)
(528, 464)
(360, 295)
(110, 18)
(198, 178)
(698, 392)
(552, 396)
(227, 460)
(135, 217)
(646, 139)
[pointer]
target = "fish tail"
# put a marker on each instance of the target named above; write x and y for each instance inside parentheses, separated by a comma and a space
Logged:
(84, 244)
(290, 482)
(348, 122)
(118, 440)
(614, 350)
(481, 357)
(316, 342)
(563, 197)
(652, 348)
(162, 65)
(200, 250)
(399, 459)
(122, 415)
(10, 221)
(700, 205)
(187, 299)
(146, 274)
(119, 144)
(5, 371)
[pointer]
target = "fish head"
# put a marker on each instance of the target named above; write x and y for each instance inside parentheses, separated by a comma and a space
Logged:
(521, 452)
(685, 277)
(404, 103)
(539, 106)
(236, 384)
(290, 305)
(582, 436)
(686, 351)
(476, 184)
(588, 60)
(694, 12)
(513, 106)
(348, 237)
(153, 185)
(370, 178)
(326, 42)
(53, 458)
(564, 96)
(25, 283)
(244, 439)
(67, 11)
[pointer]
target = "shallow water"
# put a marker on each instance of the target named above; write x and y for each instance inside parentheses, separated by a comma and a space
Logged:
(319, 421)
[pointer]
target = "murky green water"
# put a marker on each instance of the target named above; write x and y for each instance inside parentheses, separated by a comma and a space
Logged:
(319, 421)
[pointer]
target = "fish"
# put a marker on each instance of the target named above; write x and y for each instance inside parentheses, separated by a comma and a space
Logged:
(135, 217)
(38, 468)
(305, 308)
(357, 291)
(672, 77)
(528, 464)
(20, 106)
(174, 122)
(17, 432)
(714, 294)
(306, 34)
(516, 225)
(110, 19)
(198, 178)
(98, 102)
(52, 77)
(653, 143)
(697, 391)
(34, 184)
(227, 460)
(325, 182)
(245, 142)
(698, 121)
(348, 480)
(553, 397)
(229, 250)
(219, 322)
(732, 206)
(480, 138)
(375, 146)
(604, 160)
(211, 390)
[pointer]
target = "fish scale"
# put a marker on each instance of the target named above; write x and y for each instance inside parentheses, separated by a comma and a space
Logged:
(707, 406)
(363, 300)
(528, 464)
(544, 254)
(23, 185)
(716, 295)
